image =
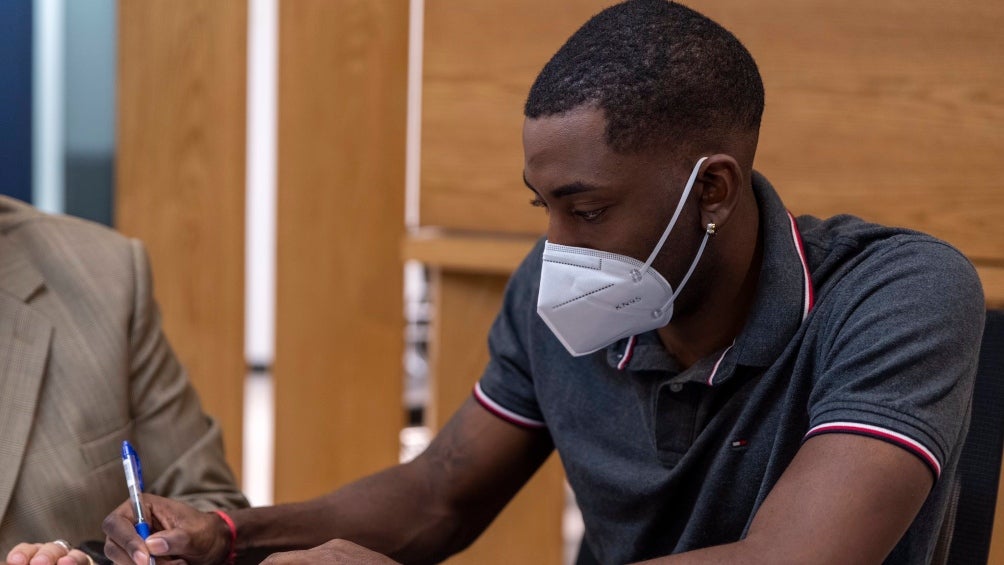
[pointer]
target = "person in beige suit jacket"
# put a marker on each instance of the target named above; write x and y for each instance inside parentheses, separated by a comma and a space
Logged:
(84, 365)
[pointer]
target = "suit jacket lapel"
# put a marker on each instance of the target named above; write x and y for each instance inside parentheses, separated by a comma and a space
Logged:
(24, 348)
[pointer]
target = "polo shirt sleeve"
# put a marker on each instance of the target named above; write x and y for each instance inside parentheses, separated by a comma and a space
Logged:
(900, 354)
(506, 388)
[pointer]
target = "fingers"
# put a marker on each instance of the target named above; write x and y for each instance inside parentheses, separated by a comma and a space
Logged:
(75, 557)
(45, 554)
(122, 544)
(120, 555)
(124, 547)
(22, 553)
(189, 534)
(117, 554)
(184, 533)
(169, 542)
(158, 545)
(286, 557)
(176, 542)
(332, 552)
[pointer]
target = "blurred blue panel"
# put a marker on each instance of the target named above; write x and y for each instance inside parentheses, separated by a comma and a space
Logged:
(15, 98)
(89, 110)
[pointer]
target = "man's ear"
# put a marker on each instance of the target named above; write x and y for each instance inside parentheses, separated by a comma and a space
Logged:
(721, 182)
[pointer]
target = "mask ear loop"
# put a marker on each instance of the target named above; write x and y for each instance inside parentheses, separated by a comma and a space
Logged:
(693, 265)
(637, 274)
(683, 283)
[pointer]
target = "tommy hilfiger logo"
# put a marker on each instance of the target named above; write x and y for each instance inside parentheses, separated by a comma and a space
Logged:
(738, 444)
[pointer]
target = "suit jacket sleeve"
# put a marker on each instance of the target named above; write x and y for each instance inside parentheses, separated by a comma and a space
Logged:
(181, 447)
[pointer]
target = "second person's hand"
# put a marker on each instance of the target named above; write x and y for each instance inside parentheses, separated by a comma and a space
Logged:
(335, 552)
(51, 553)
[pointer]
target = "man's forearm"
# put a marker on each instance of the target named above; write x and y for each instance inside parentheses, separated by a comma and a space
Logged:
(393, 512)
(420, 512)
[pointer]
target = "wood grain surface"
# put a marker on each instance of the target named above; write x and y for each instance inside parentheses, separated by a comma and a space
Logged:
(180, 183)
(890, 110)
(339, 320)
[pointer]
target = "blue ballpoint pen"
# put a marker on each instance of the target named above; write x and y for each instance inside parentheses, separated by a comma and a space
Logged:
(134, 480)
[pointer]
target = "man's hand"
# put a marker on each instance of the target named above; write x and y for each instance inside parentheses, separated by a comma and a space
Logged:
(50, 553)
(335, 552)
(181, 532)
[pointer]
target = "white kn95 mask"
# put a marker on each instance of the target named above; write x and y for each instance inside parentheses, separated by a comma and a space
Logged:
(590, 299)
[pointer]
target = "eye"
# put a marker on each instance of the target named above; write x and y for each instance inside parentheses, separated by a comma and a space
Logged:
(536, 202)
(590, 215)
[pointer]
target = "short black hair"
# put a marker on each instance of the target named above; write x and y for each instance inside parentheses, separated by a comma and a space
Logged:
(662, 73)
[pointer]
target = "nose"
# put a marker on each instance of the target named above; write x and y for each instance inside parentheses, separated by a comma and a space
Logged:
(559, 232)
(565, 232)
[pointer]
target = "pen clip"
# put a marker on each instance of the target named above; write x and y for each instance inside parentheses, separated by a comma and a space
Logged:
(137, 467)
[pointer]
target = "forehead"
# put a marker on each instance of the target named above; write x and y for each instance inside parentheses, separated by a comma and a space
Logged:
(572, 138)
(572, 147)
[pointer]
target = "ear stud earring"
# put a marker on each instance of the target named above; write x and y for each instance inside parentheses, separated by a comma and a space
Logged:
(712, 228)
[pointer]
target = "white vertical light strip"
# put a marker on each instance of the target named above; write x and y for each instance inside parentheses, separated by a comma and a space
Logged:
(413, 133)
(47, 106)
(259, 439)
(260, 220)
(260, 241)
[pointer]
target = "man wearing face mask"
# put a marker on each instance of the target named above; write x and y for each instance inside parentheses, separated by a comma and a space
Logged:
(725, 383)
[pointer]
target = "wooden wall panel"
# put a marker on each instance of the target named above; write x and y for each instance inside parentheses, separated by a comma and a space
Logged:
(480, 59)
(529, 529)
(992, 276)
(889, 110)
(339, 322)
(180, 182)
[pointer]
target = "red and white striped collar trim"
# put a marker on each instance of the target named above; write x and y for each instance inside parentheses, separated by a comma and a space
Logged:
(628, 352)
(809, 295)
(714, 370)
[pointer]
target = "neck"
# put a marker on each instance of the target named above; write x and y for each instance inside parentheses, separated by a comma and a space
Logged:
(724, 300)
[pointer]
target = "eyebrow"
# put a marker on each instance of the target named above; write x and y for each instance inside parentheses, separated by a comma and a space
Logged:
(564, 190)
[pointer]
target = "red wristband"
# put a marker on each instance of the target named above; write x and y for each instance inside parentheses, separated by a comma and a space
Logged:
(232, 556)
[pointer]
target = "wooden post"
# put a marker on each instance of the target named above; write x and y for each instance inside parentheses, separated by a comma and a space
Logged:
(339, 319)
(180, 183)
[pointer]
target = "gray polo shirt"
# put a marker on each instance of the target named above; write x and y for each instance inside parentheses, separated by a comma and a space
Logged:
(856, 328)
